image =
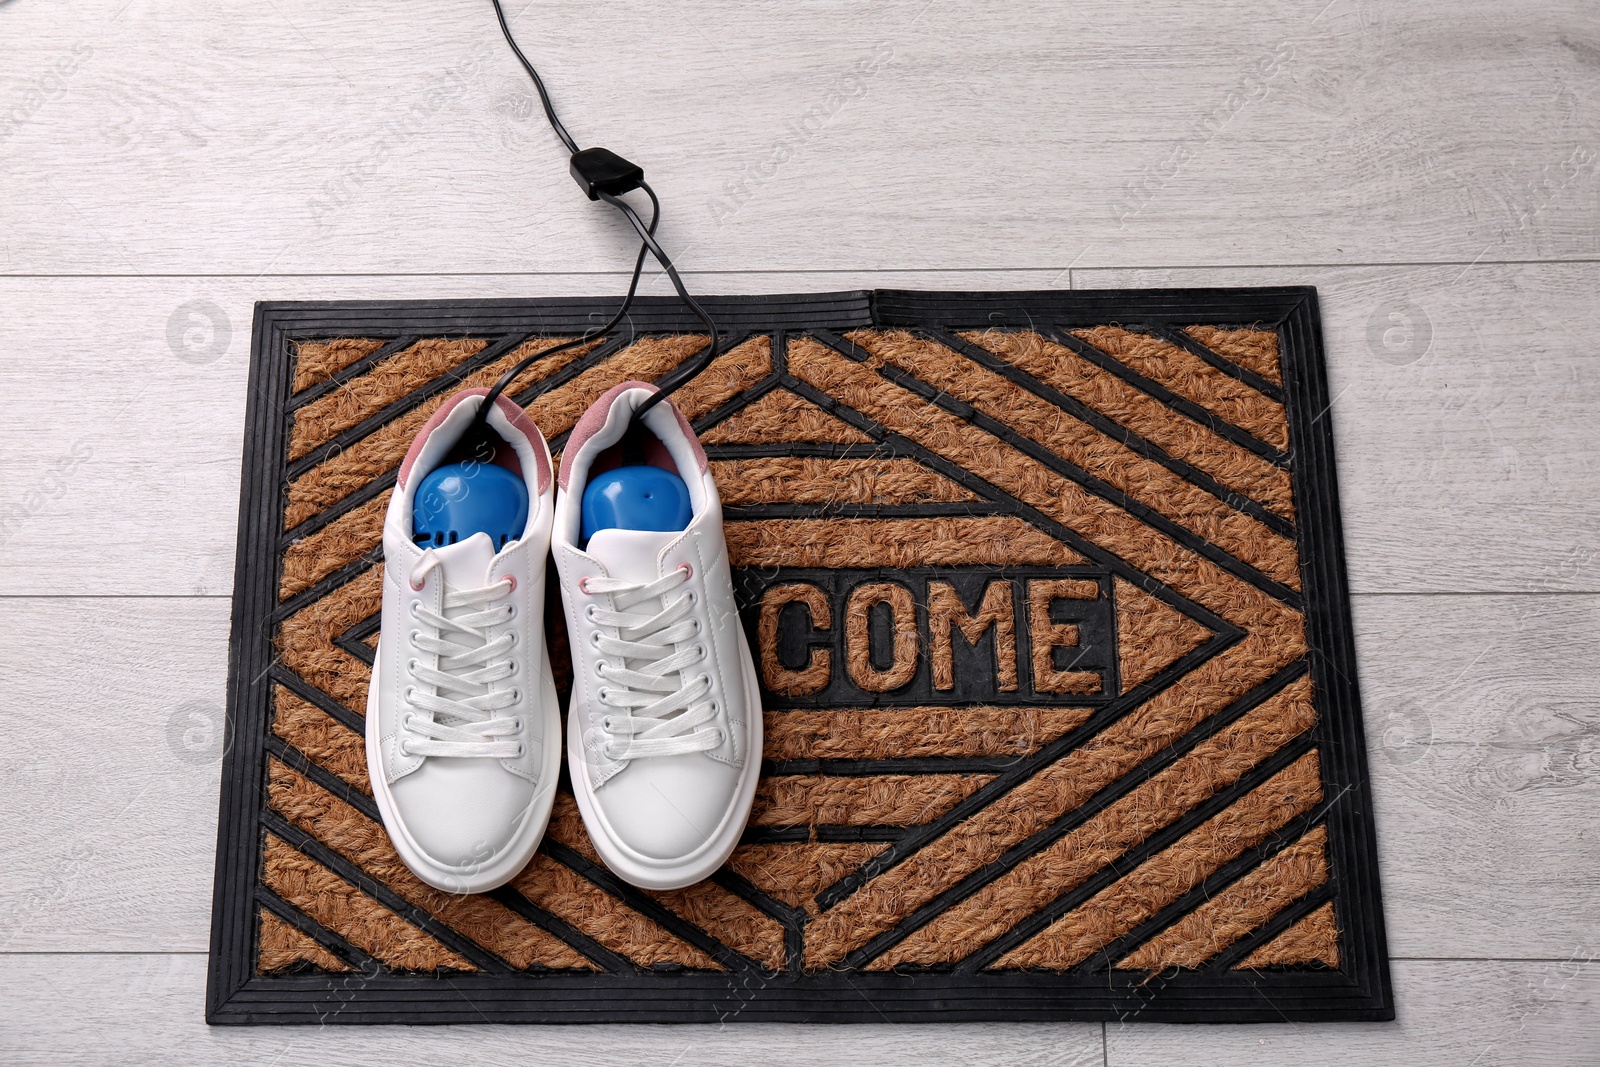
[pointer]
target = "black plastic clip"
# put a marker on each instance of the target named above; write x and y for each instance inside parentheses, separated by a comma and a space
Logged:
(600, 170)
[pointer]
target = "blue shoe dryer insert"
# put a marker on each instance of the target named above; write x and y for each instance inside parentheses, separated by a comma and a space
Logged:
(635, 498)
(462, 499)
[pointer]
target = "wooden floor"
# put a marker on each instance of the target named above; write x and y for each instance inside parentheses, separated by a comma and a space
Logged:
(1433, 167)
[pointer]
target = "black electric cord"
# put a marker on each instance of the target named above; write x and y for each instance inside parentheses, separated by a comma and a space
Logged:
(588, 335)
(606, 176)
(538, 83)
(683, 374)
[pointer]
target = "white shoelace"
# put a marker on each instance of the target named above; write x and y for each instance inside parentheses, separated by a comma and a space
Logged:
(461, 717)
(664, 711)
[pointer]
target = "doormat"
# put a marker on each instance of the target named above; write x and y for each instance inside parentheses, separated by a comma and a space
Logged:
(1048, 598)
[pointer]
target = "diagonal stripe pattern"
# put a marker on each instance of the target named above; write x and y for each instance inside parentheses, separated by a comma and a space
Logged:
(1140, 481)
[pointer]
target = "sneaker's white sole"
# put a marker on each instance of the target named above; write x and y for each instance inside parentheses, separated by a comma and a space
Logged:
(479, 878)
(704, 861)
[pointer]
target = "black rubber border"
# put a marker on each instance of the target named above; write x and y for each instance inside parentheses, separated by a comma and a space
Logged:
(1360, 990)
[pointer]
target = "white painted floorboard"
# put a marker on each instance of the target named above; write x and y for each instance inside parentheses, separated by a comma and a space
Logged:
(1432, 166)
(305, 137)
(94, 1010)
(97, 1009)
(1482, 739)
(1449, 1014)
(1468, 453)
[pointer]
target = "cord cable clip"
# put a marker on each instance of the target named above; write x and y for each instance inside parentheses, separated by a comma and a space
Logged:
(600, 170)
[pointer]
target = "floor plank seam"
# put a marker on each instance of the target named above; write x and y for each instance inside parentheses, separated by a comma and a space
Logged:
(860, 271)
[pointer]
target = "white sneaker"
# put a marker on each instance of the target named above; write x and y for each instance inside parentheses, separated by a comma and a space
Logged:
(463, 725)
(664, 728)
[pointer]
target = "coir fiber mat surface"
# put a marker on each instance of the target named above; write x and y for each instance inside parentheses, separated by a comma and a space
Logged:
(1048, 598)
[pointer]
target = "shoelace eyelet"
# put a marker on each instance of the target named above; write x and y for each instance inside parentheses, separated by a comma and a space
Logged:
(502, 667)
(583, 585)
(609, 747)
(512, 579)
(520, 751)
(415, 587)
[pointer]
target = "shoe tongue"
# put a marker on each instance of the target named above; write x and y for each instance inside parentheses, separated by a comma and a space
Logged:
(632, 555)
(466, 563)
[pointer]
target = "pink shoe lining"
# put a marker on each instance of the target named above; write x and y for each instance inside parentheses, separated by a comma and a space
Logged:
(596, 416)
(510, 410)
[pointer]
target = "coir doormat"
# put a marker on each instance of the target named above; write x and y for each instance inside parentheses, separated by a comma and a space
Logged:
(1048, 598)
